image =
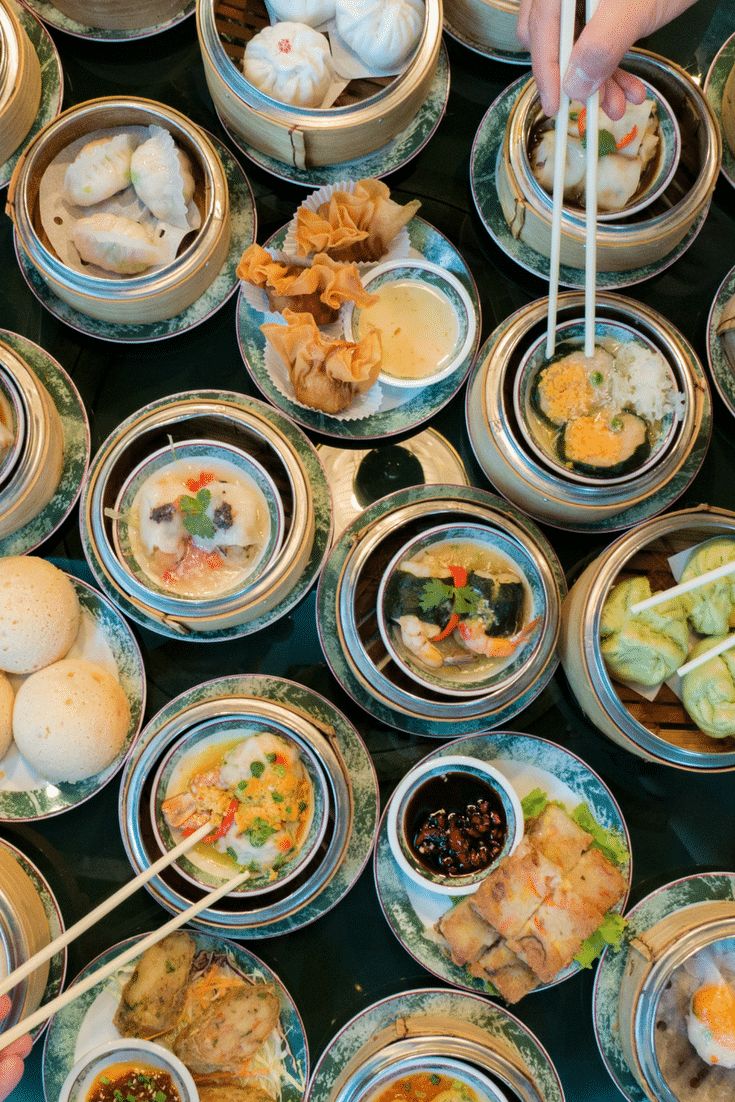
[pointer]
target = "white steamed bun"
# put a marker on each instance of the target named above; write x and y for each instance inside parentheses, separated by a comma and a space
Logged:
(290, 62)
(39, 614)
(381, 32)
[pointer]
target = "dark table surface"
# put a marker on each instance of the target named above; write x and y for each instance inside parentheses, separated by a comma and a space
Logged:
(346, 961)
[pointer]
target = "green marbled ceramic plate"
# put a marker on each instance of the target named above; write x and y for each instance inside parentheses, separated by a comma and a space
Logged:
(487, 150)
(244, 227)
(358, 767)
(472, 1017)
(721, 370)
(496, 54)
(389, 158)
(698, 888)
(322, 502)
(105, 638)
(60, 22)
(714, 87)
(52, 83)
(57, 964)
(529, 762)
(401, 410)
(75, 429)
(88, 1021)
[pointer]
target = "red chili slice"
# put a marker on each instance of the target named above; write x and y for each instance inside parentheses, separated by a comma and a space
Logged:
(451, 624)
(459, 576)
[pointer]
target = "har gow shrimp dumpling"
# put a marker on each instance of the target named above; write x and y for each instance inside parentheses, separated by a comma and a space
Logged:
(39, 614)
(645, 648)
(290, 62)
(99, 170)
(381, 32)
(161, 175)
(709, 691)
(116, 244)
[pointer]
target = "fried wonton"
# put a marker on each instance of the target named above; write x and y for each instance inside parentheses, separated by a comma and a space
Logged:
(508, 974)
(326, 374)
(557, 836)
(353, 225)
(319, 289)
(467, 934)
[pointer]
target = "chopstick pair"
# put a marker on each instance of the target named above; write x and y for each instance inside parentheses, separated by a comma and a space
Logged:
(566, 43)
(44, 1012)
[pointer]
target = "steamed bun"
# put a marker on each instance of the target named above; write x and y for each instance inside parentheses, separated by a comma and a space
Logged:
(646, 648)
(708, 692)
(70, 720)
(711, 607)
(6, 715)
(39, 614)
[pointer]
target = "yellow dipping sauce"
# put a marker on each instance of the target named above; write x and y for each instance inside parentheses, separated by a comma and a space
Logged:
(418, 327)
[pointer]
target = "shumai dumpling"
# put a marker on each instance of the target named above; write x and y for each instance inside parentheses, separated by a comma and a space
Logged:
(353, 225)
(647, 647)
(711, 607)
(709, 691)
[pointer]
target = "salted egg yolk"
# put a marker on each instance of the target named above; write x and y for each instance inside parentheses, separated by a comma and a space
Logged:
(713, 1007)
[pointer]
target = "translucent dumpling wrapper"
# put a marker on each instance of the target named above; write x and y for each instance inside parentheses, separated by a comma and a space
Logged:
(312, 12)
(711, 607)
(161, 175)
(710, 1023)
(326, 374)
(645, 648)
(290, 62)
(319, 290)
(381, 32)
(708, 692)
(116, 244)
(101, 169)
(354, 225)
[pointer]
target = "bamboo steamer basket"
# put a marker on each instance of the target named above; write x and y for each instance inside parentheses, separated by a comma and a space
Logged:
(114, 15)
(211, 417)
(24, 930)
(486, 24)
(20, 82)
(535, 486)
(653, 957)
(145, 298)
(34, 470)
(659, 730)
(641, 239)
(366, 116)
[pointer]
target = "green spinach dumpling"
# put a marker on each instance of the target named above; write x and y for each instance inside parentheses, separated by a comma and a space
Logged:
(648, 647)
(711, 607)
(709, 692)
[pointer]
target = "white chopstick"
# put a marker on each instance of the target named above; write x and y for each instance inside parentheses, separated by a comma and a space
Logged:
(118, 962)
(719, 648)
(99, 912)
(566, 41)
(590, 202)
(684, 587)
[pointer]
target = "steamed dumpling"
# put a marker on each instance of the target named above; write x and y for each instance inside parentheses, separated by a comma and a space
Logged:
(709, 691)
(290, 62)
(711, 607)
(381, 32)
(162, 178)
(99, 170)
(646, 648)
(116, 244)
(312, 12)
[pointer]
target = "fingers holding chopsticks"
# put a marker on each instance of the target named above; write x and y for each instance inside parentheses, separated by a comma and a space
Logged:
(11, 1057)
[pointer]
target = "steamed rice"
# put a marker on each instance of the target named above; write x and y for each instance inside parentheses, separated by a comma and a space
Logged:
(643, 382)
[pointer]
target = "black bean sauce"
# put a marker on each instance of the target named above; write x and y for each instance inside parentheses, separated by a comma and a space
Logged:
(456, 824)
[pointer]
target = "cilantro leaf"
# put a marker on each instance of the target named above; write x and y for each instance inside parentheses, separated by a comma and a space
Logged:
(465, 601)
(534, 803)
(434, 593)
(610, 932)
(610, 842)
(199, 524)
(188, 504)
(606, 143)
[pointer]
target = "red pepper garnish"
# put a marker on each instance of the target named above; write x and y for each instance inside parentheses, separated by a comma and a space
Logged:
(214, 561)
(459, 576)
(280, 759)
(582, 122)
(194, 484)
(285, 844)
(220, 831)
(168, 576)
(451, 624)
(628, 138)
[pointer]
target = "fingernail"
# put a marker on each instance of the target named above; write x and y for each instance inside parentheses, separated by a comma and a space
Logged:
(578, 84)
(546, 105)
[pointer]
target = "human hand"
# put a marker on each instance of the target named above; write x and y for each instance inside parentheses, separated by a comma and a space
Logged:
(12, 1057)
(616, 25)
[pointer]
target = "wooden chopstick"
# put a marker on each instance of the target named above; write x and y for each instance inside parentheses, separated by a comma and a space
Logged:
(104, 973)
(99, 912)
(719, 648)
(683, 587)
(566, 41)
(590, 202)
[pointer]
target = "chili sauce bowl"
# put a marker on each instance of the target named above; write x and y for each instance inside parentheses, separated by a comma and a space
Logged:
(103, 1058)
(406, 806)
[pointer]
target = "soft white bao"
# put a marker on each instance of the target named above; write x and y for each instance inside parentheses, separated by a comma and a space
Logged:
(70, 720)
(39, 614)
(290, 62)
(313, 12)
(6, 715)
(381, 32)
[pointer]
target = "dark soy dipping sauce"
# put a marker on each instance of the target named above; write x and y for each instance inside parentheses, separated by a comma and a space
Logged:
(455, 824)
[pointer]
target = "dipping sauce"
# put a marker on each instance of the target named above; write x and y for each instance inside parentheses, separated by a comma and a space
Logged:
(418, 328)
(456, 824)
(425, 1086)
(133, 1081)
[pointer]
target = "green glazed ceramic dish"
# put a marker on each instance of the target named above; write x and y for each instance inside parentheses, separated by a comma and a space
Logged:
(714, 87)
(60, 22)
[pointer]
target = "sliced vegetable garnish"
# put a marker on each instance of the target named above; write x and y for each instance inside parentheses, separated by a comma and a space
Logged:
(610, 933)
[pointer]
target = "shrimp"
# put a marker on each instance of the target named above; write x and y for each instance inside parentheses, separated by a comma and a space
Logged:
(472, 636)
(415, 634)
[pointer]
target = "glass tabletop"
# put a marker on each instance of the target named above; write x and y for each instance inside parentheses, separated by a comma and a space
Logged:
(349, 958)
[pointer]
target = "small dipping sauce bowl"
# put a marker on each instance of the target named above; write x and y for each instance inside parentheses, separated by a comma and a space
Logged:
(114, 1058)
(462, 793)
(442, 317)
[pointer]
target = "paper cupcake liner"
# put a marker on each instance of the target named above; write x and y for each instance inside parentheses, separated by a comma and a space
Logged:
(364, 404)
(400, 246)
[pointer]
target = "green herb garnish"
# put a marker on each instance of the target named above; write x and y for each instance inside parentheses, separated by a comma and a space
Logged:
(303, 805)
(194, 509)
(271, 757)
(231, 853)
(610, 842)
(435, 1080)
(436, 592)
(260, 832)
(159, 1096)
(257, 768)
(277, 797)
(606, 143)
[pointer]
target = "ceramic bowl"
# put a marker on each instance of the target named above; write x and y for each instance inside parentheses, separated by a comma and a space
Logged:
(398, 830)
(82, 1075)
(478, 1086)
(442, 283)
(196, 742)
(200, 453)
